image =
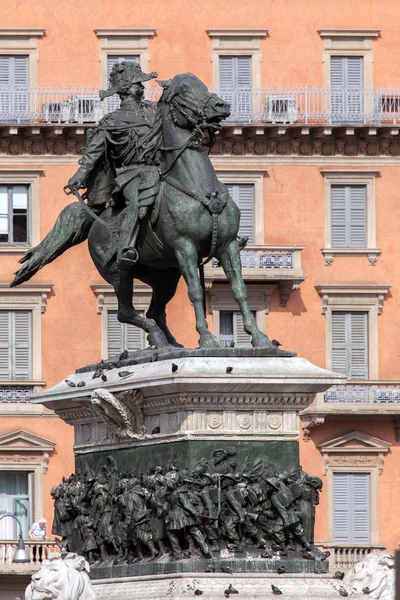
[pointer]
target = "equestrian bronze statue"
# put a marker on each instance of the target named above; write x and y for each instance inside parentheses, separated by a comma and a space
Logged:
(155, 207)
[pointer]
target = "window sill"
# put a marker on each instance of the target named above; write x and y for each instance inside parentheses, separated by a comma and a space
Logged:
(329, 253)
(22, 382)
(14, 249)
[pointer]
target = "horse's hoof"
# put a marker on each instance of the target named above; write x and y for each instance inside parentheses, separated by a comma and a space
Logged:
(157, 339)
(260, 340)
(208, 340)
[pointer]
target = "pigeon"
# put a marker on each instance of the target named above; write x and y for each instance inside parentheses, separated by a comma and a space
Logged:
(338, 575)
(174, 368)
(70, 383)
(210, 568)
(123, 355)
(275, 590)
(324, 555)
(281, 570)
(104, 377)
(124, 373)
(229, 369)
(230, 590)
(276, 343)
(81, 384)
(309, 555)
(155, 430)
(226, 569)
(98, 373)
(343, 592)
(366, 590)
(198, 592)
(275, 548)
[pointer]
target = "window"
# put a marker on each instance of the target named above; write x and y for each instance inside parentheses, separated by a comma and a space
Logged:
(349, 216)
(231, 330)
(122, 336)
(235, 86)
(15, 344)
(15, 498)
(351, 508)
(346, 82)
(350, 221)
(14, 201)
(243, 195)
(14, 83)
(350, 344)
(114, 101)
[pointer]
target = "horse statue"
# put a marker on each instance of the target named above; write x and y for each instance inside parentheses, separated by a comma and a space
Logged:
(193, 217)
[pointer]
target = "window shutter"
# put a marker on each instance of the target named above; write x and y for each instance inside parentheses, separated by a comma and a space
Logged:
(358, 345)
(242, 339)
(338, 214)
(243, 195)
(337, 71)
(22, 344)
(5, 344)
(243, 71)
(354, 68)
(5, 71)
(351, 507)
(361, 507)
(226, 72)
(134, 338)
(20, 71)
(114, 334)
(358, 220)
(341, 507)
(339, 346)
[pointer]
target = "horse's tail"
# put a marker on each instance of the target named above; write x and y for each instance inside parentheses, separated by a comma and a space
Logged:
(71, 228)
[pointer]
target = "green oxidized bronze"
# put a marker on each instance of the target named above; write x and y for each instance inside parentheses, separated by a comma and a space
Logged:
(155, 207)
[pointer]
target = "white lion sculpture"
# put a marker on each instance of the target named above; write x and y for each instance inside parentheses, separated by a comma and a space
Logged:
(62, 577)
(374, 576)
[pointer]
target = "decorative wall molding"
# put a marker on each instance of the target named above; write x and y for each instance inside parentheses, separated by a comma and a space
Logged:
(359, 295)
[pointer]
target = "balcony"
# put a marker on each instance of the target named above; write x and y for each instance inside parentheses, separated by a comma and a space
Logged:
(38, 552)
(268, 264)
(287, 105)
(355, 399)
(344, 556)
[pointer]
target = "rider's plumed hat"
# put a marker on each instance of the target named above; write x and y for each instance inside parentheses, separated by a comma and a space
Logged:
(123, 75)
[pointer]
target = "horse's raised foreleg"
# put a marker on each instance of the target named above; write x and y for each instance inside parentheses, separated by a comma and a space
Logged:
(123, 285)
(188, 259)
(230, 261)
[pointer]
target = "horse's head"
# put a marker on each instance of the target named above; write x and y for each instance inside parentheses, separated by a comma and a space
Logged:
(191, 104)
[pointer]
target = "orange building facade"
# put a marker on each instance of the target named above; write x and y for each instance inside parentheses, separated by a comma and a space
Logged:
(311, 153)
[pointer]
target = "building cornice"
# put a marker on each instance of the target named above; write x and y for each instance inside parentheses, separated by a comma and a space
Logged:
(22, 32)
(346, 33)
(123, 32)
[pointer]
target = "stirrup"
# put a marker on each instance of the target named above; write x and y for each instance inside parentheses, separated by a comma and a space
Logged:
(127, 258)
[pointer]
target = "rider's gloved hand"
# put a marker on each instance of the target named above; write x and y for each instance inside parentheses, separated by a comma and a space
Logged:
(77, 180)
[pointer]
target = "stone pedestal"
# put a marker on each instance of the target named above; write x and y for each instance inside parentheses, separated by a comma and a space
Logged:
(180, 412)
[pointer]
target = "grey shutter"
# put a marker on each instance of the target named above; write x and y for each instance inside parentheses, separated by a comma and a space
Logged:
(339, 346)
(20, 71)
(338, 216)
(351, 507)
(242, 339)
(114, 334)
(113, 102)
(22, 326)
(358, 216)
(358, 324)
(361, 508)
(349, 216)
(341, 507)
(243, 195)
(346, 88)
(5, 344)
(243, 71)
(226, 72)
(5, 71)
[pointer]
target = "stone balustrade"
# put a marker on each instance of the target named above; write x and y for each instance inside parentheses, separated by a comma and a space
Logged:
(364, 392)
(38, 552)
(344, 556)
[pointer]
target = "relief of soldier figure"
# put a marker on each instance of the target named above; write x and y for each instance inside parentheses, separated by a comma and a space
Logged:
(169, 512)
(155, 208)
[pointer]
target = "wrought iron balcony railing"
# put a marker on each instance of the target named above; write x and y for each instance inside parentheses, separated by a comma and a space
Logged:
(364, 392)
(301, 104)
